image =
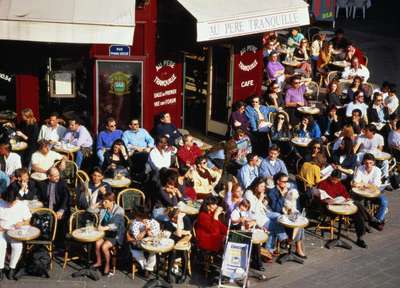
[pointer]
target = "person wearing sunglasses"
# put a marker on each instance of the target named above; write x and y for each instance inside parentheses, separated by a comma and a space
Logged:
(358, 103)
(294, 98)
(314, 147)
(274, 95)
(204, 179)
(378, 112)
(106, 138)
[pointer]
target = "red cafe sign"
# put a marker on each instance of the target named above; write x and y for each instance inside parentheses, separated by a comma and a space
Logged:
(165, 83)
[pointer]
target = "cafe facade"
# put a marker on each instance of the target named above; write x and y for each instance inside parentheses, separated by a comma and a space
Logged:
(191, 58)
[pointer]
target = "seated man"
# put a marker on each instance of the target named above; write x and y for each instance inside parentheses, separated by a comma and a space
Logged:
(368, 173)
(24, 188)
(371, 142)
(9, 161)
(188, 153)
(106, 138)
(44, 158)
(160, 156)
(166, 128)
(54, 194)
(334, 188)
(79, 135)
(272, 165)
(141, 228)
(356, 69)
(52, 131)
(138, 139)
(249, 172)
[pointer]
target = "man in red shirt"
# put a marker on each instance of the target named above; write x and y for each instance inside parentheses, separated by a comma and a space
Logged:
(334, 188)
(188, 153)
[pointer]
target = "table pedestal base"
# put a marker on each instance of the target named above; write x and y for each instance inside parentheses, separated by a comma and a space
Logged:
(87, 272)
(338, 243)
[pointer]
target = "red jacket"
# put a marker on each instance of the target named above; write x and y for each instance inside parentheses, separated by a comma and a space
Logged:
(210, 232)
(334, 190)
(188, 155)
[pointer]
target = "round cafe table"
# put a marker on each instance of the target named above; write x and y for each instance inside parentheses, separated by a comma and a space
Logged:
(39, 177)
(302, 142)
(33, 204)
(189, 208)
(368, 191)
(19, 146)
(24, 233)
(309, 110)
(341, 64)
(66, 148)
(124, 182)
(341, 210)
(298, 223)
(87, 236)
(164, 245)
(291, 63)
(382, 156)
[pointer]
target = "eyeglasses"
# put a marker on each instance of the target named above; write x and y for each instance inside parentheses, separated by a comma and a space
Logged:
(281, 118)
(283, 181)
(379, 100)
(135, 124)
(112, 126)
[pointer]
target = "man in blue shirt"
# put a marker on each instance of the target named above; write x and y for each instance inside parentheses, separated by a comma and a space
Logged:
(4, 182)
(138, 138)
(271, 165)
(106, 138)
(249, 172)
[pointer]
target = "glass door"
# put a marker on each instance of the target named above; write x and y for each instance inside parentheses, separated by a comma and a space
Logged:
(220, 89)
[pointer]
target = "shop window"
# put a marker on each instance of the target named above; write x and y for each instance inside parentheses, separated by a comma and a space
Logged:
(119, 91)
(7, 91)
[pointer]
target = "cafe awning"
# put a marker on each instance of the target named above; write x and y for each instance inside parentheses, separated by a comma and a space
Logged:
(68, 21)
(218, 19)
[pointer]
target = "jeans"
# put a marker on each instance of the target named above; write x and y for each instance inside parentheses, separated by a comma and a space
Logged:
(79, 158)
(276, 230)
(100, 154)
(383, 204)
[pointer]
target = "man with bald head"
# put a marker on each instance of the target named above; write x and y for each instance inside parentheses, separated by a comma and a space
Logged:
(54, 194)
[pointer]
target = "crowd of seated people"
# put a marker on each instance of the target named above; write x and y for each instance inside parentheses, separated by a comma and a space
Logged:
(247, 182)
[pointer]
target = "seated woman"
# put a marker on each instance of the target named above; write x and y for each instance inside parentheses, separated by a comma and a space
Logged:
(43, 159)
(91, 198)
(112, 222)
(233, 196)
(265, 218)
(355, 86)
(377, 112)
(13, 214)
(344, 157)
(116, 160)
(204, 179)
(185, 184)
(275, 70)
(330, 123)
(180, 227)
(278, 197)
(311, 171)
(243, 146)
(141, 228)
(325, 57)
(167, 193)
(302, 54)
(280, 132)
(308, 128)
(314, 147)
(274, 96)
(210, 231)
(238, 119)
(334, 93)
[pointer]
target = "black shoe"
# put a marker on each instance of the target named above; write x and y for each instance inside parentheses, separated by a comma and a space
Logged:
(11, 274)
(301, 256)
(361, 243)
(378, 225)
(1, 274)
(368, 229)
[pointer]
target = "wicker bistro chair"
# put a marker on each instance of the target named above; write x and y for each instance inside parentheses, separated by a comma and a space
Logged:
(77, 220)
(68, 174)
(46, 220)
(82, 176)
(129, 199)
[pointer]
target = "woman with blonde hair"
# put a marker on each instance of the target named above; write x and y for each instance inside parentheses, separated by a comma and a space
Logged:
(28, 131)
(324, 59)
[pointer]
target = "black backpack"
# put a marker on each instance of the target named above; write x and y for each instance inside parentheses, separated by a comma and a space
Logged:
(38, 262)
